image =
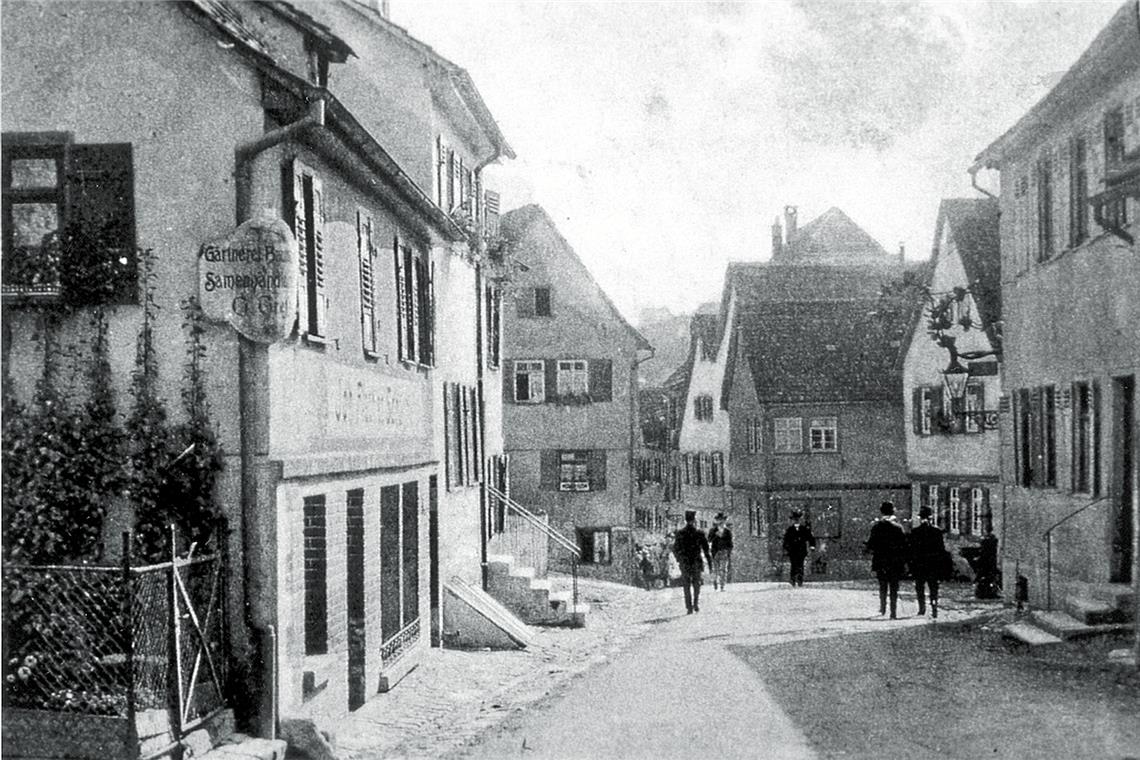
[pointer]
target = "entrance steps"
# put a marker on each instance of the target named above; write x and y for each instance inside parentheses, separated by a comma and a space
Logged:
(1094, 609)
(533, 600)
(473, 619)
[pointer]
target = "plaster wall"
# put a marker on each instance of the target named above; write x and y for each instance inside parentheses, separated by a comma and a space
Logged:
(706, 379)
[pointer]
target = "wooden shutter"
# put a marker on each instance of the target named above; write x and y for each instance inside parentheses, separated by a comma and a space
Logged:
(448, 438)
(543, 302)
(550, 379)
(508, 381)
(100, 214)
(318, 296)
(601, 379)
(440, 179)
(456, 184)
(936, 403)
(366, 252)
(401, 301)
(548, 470)
(293, 186)
(412, 290)
(430, 309)
(916, 408)
(524, 302)
(597, 466)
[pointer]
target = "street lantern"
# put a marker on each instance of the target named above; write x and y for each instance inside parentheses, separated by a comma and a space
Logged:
(956, 376)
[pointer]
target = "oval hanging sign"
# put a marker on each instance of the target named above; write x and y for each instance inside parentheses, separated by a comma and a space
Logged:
(249, 279)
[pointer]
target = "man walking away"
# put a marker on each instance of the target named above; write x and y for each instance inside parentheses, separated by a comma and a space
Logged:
(720, 543)
(688, 547)
(927, 558)
(887, 546)
(797, 539)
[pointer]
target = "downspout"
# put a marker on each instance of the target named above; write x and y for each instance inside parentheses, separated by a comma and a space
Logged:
(634, 421)
(259, 555)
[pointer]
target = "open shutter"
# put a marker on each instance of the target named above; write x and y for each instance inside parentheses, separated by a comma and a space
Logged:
(439, 163)
(411, 292)
(601, 379)
(524, 302)
(448, 438)
(916, 408)
(508, 381)
(293, 185)
(936, 403)
(318, 299)
(401, 301)
(597, 465)
(430, 315)
(100, 214)
(548, 470)
(456, 181)
(366, 253)
(550, 378)
(987, 516)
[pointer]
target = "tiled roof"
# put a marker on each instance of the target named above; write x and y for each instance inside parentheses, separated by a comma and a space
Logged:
(974, 226)
(831, 238)
(822, 352)
(706, 329)
(765, 283)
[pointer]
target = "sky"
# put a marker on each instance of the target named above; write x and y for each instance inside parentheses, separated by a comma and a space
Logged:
(664, 138)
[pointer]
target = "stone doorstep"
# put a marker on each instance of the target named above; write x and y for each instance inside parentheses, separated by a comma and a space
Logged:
(1060, 624)
(248, 748)
(1030, 635)
(1091, 611)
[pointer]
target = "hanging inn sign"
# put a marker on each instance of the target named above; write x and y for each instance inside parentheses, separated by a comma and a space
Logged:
(249, 279)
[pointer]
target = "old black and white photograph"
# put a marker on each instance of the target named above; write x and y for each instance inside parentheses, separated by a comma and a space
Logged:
(570, 379)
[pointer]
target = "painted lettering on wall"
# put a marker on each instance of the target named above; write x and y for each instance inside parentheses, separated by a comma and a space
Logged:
(365, 405)
(249, 279)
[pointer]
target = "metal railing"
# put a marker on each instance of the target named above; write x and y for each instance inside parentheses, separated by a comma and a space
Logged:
(527, 536)
(1048, 536)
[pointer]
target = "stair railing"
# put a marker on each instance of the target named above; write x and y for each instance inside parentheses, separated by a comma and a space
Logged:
(520, 544)
(1048, 536)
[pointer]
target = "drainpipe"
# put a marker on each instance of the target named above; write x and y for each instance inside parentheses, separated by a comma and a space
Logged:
(259, 534)
(634, 421)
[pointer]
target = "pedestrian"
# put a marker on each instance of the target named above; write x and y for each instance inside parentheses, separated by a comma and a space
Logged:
(688, 547)
(988, 584)
(646, 565)
(887, 546)
(720, 544)
(798, 539)
(927, 561)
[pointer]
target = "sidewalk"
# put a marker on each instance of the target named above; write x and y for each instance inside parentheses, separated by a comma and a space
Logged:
(453, 696)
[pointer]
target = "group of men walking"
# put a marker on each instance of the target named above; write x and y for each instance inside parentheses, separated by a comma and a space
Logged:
(892, 552)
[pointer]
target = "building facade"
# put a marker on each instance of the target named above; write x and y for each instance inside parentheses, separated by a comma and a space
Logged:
(1070, 274)
(570, 419)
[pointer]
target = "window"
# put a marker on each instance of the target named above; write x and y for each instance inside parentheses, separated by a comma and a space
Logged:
(822, 514)
(954, 511)
(1044, 176)
(573, 377)
(415, 305)
(703, 408)
(595, 546)
(1116, 211)
(573, 471)
(304, 212)
(494, 298)
(789, 435)
(755, 514)
(1078, 192)
(717, 468)
(934, 504)
(1035, 436)
(68, 219)
(754, 432)
(542, 302)
(975, 404)
(529, 382)
(823, 434)
(366, 254)
(315, 554)
(977, 510)
(927, 406)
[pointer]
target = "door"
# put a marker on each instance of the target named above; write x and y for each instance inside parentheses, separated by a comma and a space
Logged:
(354, 588)
(1123, 476)
(433, 557)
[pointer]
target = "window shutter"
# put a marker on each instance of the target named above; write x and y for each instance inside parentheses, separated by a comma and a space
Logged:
(100, 210)
(543, 302)
(601, 379)
(440, 178)
(524, 303)
(508, 381)
(548, 470)
(916, 408)
(319, 255)
(366, 253)
(597, 465)
(936, 402)
(293, 184)
(401, 301)
(550, 367)
(987, 516)
(448, 438)
(429, 315)
(586, 545)
(456, 181)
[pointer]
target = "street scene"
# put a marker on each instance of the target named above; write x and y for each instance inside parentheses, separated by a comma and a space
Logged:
(503, 379)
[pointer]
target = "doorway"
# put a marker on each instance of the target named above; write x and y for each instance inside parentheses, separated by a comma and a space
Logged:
(354, 588)
(433, 558)
(1123, 476)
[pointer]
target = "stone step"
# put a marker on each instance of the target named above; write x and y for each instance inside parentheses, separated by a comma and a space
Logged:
(1092, 611)
(247, 748)
(1030, 635)
(1119, 595)
(1060, 624)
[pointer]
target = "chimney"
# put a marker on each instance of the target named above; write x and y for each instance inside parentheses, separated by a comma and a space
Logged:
(789, 223)
(902, 253)
(777, 238)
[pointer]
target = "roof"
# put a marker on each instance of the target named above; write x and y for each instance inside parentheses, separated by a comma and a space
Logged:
(762, 282)
(517, 220)
(833, 238)
(817, 351)
(336, 48)
(974, 227)
(705, 328)
(227, 16)
(1112, 57)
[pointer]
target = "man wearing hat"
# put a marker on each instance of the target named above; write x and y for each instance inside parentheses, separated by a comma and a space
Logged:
(888, 548)
(797, 539)
(720, 543)
(927, 560)
(688, 547)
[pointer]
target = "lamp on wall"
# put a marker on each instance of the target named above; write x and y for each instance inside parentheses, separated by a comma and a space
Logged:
(956, 377)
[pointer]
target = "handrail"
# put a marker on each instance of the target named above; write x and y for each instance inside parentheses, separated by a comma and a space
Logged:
(533, 519)
(1048, 536)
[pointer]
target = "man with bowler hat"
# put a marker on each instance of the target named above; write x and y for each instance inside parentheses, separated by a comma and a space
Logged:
(688, 547)
(888, 548)
(797, 539)
(927, 558)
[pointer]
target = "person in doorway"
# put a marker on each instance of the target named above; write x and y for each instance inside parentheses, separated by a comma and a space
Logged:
(888, 548)
(927, 560)
(798, 540)
(988, 583)
(688, 547)
(720, 544)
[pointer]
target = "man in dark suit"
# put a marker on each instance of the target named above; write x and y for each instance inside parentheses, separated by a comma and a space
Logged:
(797, 539)
(688, 547)
(888, 548)
(927, 560)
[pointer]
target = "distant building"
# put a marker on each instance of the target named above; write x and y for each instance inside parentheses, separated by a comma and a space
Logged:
(953, 450)
(570, 418)
(1070, 278)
